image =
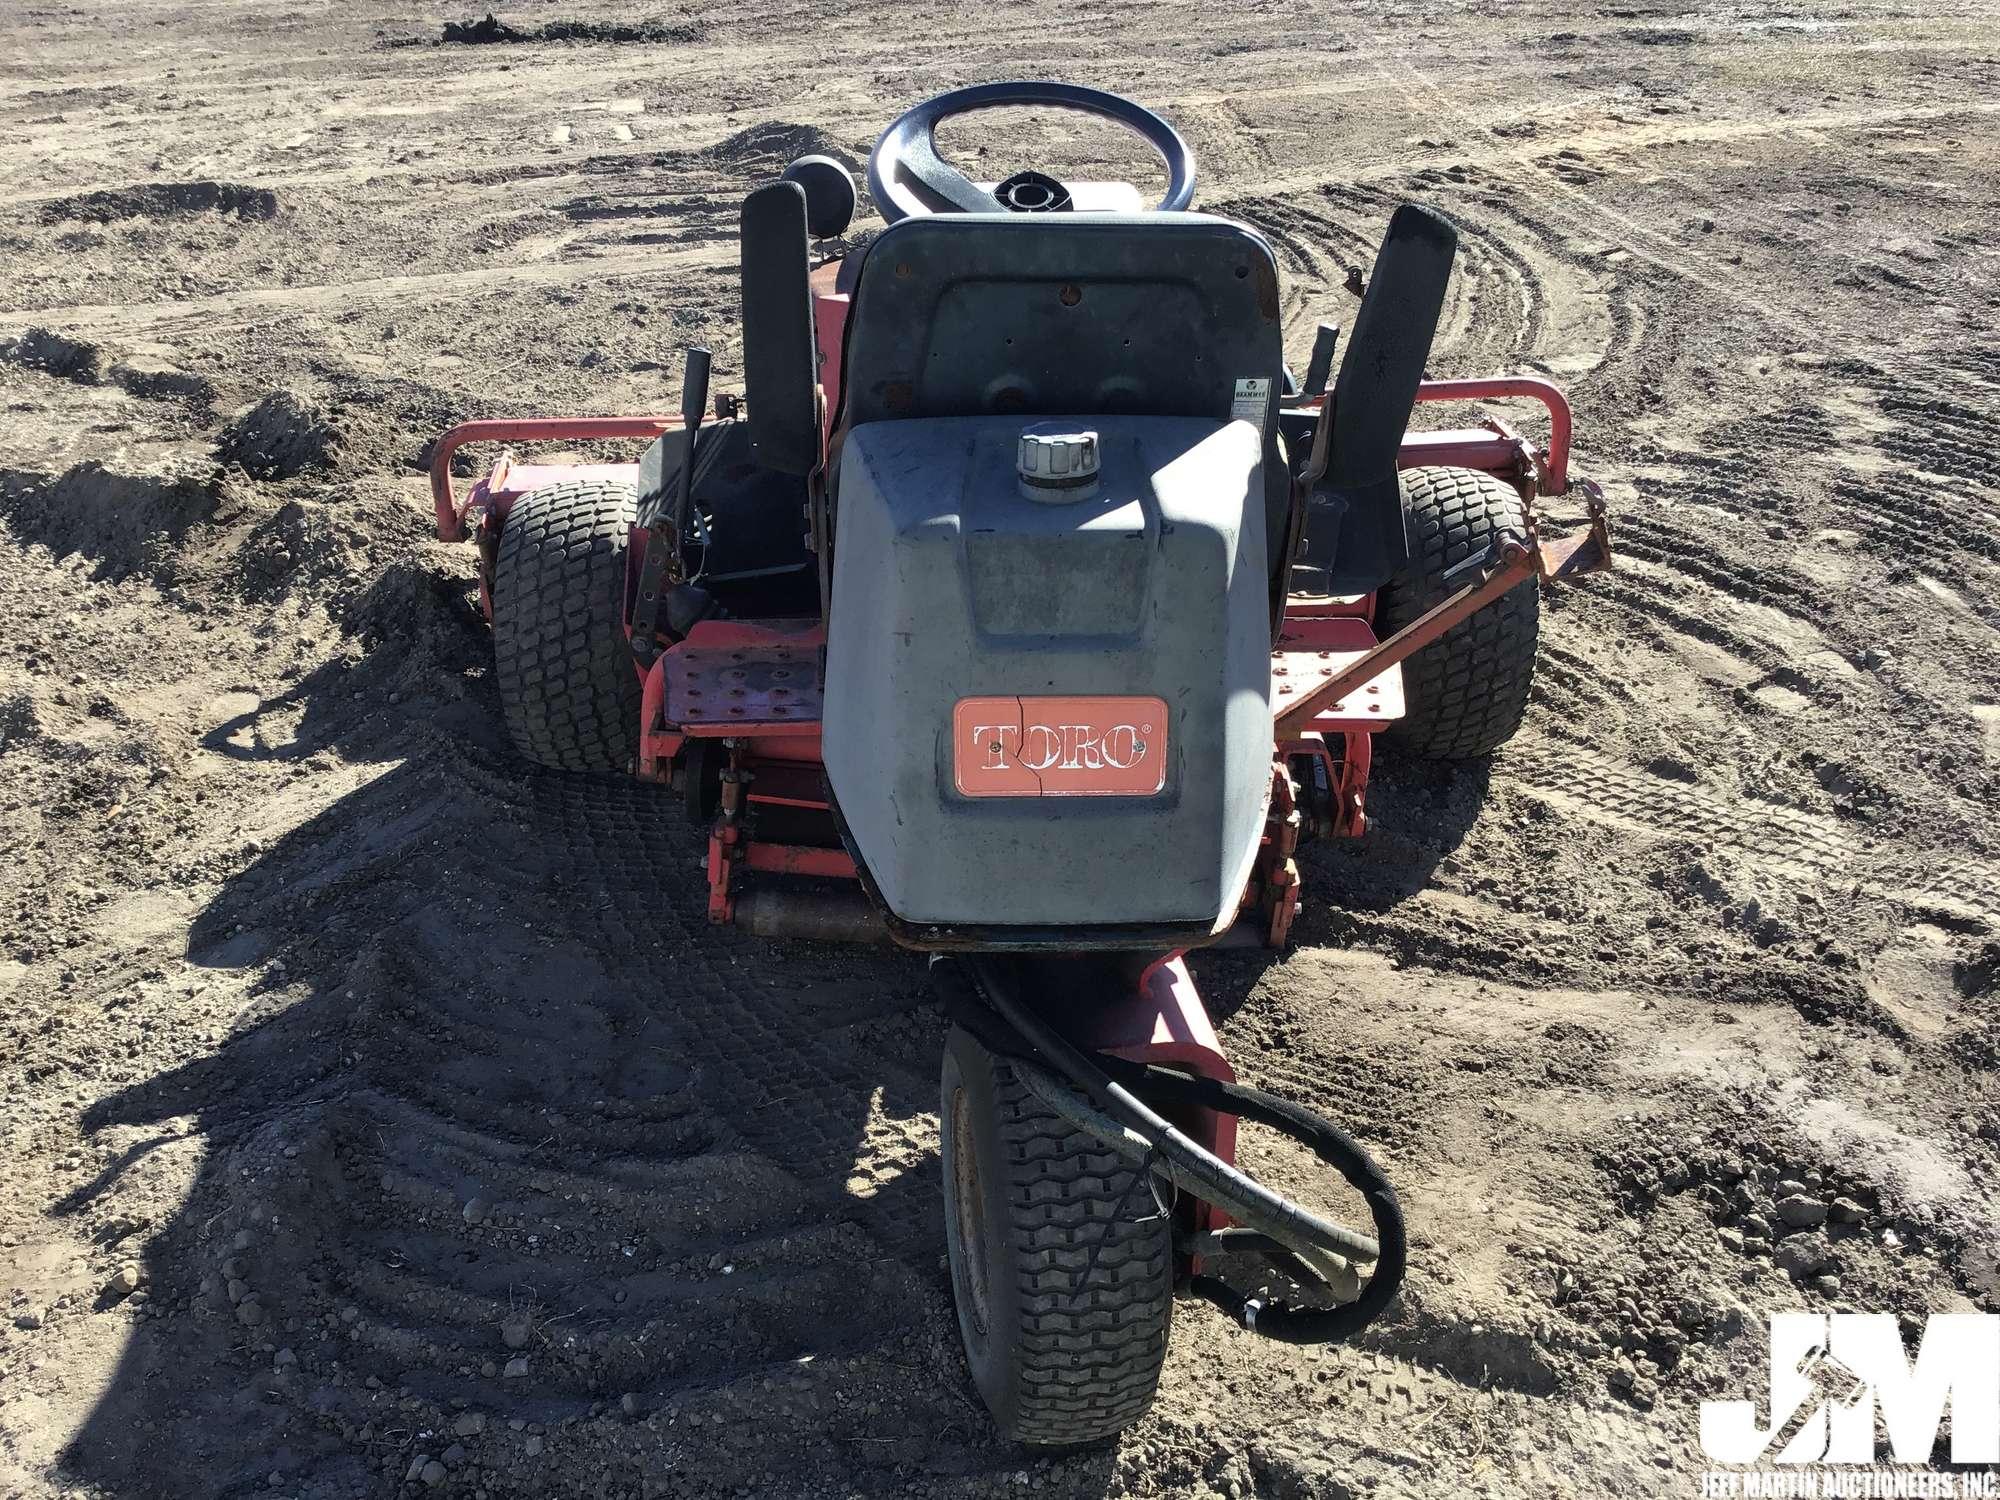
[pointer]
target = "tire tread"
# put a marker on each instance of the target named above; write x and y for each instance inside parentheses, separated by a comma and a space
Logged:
(567, 686)
(1090, 1355)
(1465, 694)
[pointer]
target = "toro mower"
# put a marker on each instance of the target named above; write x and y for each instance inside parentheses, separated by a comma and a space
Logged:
(1024, 610)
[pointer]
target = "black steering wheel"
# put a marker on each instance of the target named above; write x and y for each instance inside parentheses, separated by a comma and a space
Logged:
(907, 176)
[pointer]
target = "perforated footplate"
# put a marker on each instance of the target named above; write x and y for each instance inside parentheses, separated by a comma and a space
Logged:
(1314, 650)
(743, 687)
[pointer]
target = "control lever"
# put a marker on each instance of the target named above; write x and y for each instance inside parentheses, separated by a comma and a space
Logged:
(694, 406)
(1320, 367)
(663, 537)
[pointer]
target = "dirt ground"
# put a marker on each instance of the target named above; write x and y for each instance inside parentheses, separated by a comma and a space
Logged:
(450, 1151)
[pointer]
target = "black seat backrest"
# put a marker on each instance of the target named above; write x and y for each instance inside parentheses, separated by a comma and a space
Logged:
(1070, 315)
(780, 365)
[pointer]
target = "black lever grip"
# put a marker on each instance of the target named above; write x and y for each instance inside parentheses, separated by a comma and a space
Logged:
(694, 386)
(1320, 366)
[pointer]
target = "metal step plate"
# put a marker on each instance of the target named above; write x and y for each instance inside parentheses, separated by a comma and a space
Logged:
(744, 688)
(1314, 648)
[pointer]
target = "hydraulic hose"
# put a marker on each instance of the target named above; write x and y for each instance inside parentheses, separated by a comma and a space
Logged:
(1338, 1150)
(980, 997)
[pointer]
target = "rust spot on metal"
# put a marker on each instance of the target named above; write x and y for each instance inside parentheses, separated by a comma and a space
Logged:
(1267, 291)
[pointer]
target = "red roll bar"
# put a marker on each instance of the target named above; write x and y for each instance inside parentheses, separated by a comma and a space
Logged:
(1555, 457)
(451, 515)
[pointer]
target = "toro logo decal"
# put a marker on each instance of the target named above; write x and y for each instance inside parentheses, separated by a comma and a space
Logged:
(1059, 747)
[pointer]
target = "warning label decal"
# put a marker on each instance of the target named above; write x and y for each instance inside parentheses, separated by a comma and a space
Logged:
(1253, 400)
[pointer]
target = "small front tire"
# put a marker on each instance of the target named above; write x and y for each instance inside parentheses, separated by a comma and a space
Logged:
(1061, 1268)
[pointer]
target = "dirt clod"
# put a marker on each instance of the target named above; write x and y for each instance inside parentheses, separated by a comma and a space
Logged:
(164, 200)
(39, 349)
(772, 142)
(280, 437)
(1802, 1255)
(1801, 1211)
(490, 31)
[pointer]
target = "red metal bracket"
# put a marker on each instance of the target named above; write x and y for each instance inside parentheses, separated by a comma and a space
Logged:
(1515, 564)
(1311, 648)
(1161, 1020)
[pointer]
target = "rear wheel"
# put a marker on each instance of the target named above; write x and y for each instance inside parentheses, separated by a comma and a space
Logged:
(567, 683)
(1466, 693)
(1062, 1275)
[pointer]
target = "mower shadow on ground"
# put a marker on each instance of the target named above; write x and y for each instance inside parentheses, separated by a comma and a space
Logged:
(492, 1063)
(1419, 814)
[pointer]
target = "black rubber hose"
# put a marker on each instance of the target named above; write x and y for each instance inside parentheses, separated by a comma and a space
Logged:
(1191, 1164)
(1332, 1145)
(985, 1006)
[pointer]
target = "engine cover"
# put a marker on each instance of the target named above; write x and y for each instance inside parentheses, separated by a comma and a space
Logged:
(1050, 708)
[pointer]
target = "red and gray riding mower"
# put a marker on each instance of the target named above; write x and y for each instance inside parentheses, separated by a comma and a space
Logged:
(1025, 611)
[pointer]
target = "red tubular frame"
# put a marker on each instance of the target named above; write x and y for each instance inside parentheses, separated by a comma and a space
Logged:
(451, 513)
(1553, 460)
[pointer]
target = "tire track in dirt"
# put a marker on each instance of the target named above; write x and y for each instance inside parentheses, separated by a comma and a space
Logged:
(569, 1156)
(202, 313)
(1499, 311)
(1580, 212)
(1580, 781)
(548, 1150)
(1493, 151)
(1649, 538)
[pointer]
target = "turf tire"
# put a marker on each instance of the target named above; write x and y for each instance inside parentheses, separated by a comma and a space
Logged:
(1058, 1361)
(567, 684)
(1466, 693)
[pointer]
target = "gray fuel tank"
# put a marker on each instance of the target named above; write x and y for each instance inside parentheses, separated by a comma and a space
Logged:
(996, 665)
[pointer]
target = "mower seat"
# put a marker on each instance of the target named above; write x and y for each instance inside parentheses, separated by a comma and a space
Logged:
(1073, 315)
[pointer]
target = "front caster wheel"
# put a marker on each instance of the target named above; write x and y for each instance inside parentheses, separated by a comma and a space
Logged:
(1062, 1274)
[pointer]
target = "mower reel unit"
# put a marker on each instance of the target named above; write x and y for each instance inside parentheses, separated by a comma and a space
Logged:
(1024, 610)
